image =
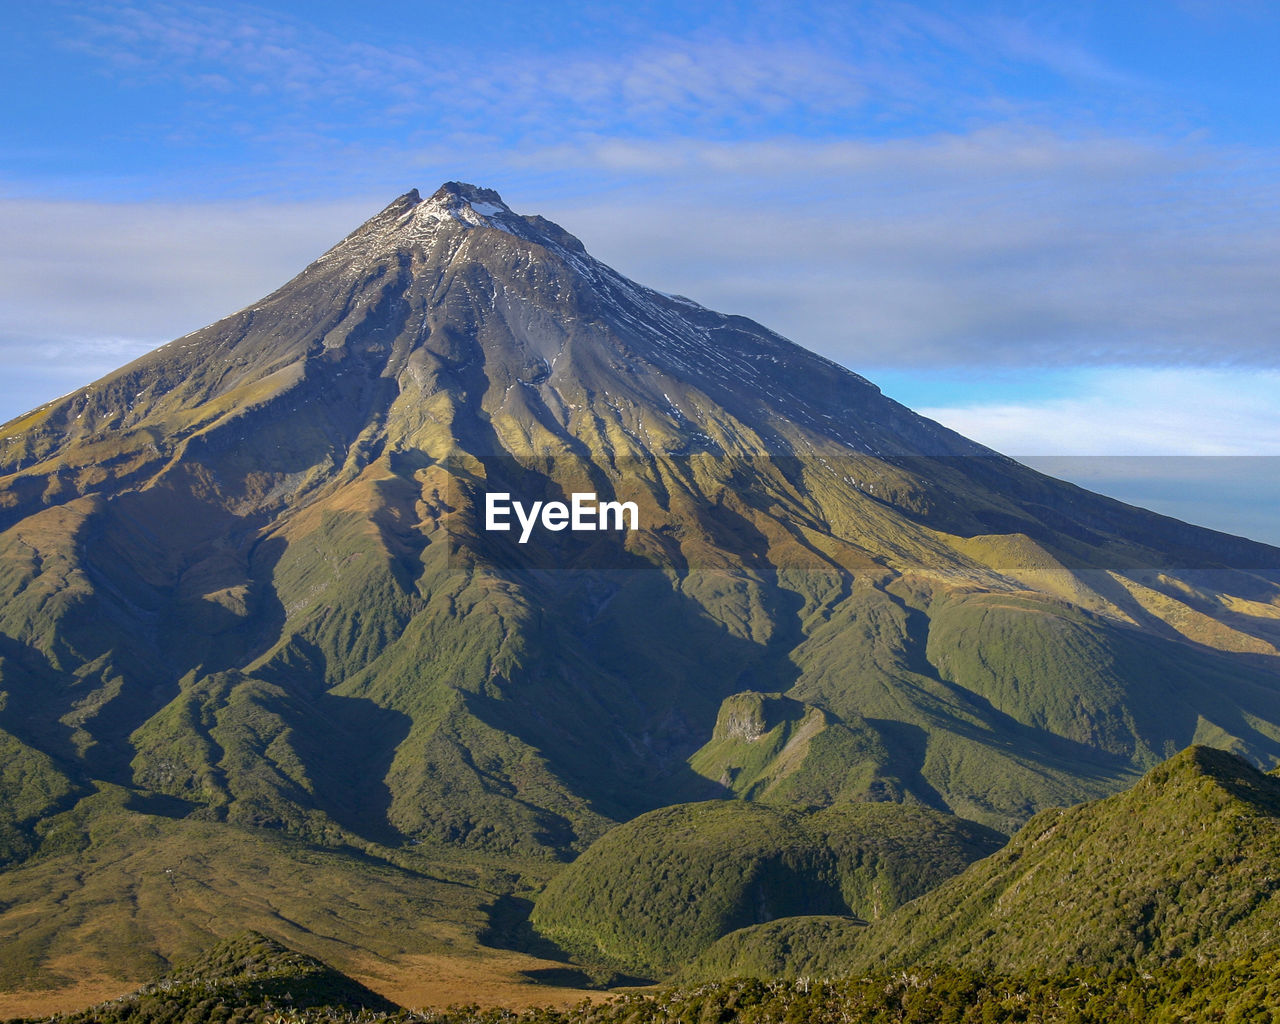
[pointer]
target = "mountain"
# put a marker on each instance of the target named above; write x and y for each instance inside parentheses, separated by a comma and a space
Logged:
(1178, 870)
(249, 589)
(658, 890)
(1183, 864)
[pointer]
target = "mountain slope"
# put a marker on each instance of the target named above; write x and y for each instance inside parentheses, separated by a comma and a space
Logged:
(1182, 864)
(248, 579)
(123, 891)
(658, 890)
(1177, 870)
(247, 977)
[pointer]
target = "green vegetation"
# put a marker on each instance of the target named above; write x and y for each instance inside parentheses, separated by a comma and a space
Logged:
(246, 978)
(30, 787)
(768, 747)
(123, 892)
(792, 947)
(1247, 989)
(1178, 869)
(1142, 698)
(251, 620)
(270, 985)
(652, 894)
(1182, 864)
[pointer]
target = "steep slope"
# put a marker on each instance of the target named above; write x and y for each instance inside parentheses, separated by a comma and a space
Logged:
(1183, 864)
(248, 579)
(658, 890)
(807, 946)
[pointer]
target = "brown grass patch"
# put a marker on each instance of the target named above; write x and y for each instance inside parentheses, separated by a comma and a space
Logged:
(423, 981)
(94, 988)
(494, 978)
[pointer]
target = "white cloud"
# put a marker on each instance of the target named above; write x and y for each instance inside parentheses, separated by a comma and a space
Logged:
(998, 248)
(84, 270)
(1200, 445)
(1018, 39)
(86, 287)
(1134, 411)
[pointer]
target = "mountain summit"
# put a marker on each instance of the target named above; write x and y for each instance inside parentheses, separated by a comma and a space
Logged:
(255, 577)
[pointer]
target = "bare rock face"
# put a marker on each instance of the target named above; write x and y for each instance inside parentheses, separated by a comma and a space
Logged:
(741, 718)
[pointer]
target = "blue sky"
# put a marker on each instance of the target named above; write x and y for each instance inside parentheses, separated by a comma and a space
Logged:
(1052, 226)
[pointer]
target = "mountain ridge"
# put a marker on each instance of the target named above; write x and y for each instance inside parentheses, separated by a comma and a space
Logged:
(1179, 865)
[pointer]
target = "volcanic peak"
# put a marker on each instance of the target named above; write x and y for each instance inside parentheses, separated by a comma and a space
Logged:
(467, 204)
(411, 221)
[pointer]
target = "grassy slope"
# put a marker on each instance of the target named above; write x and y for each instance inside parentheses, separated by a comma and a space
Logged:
(1178, 867)
(246, 977)
(1181, 864)
(132, 890)
(658, 890)
(260, 593)
(494, 741)
(804, 946)
(1245, 989)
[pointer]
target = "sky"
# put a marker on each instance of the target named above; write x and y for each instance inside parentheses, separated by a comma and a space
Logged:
(1054, 227)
